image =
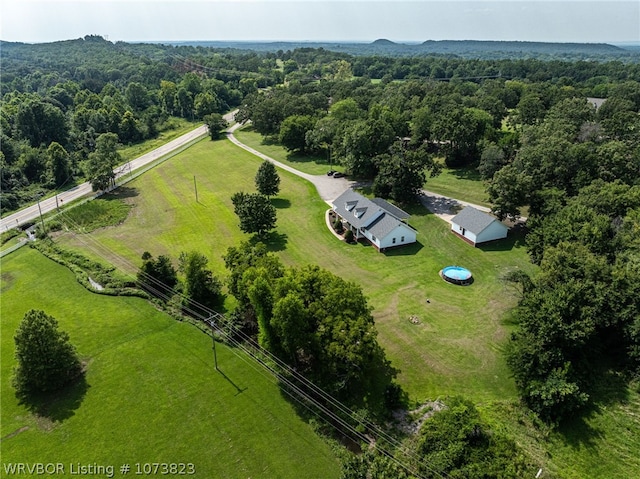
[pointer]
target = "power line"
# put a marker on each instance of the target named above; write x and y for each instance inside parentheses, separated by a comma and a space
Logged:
(272, 365)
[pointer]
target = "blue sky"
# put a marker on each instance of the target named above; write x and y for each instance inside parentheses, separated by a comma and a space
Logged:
(322, 20)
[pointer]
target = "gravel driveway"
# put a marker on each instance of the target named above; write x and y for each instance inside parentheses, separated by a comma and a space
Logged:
(329, 188)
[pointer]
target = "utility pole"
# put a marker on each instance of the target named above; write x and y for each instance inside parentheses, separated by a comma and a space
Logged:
(41, 220)
(215, 356)
(213, 339)
(195, 187)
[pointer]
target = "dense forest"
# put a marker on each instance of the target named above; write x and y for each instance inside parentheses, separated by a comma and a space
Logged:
(466, 49)
(557, 139)
(59, 99)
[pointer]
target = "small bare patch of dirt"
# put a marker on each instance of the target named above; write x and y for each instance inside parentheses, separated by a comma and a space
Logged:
(410, 422)
(6, 281)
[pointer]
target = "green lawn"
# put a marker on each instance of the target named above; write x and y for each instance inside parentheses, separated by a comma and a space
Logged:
(151, 394)
(313, 165)
(460, 183)
(456, 348)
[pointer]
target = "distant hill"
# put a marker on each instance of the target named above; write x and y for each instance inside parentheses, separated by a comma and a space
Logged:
(383, 41)
(457, 48)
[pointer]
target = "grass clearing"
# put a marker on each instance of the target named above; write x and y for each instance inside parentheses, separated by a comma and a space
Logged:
(460, 183)
(108, 210)
(457, 346)
(152, 393)
(313, 165)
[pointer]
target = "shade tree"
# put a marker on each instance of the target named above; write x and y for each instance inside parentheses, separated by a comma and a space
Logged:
(267, 179)
(255, 211)
(402, 173)
(293, 131)
(157, 276)
(99, 167)
(46, 361)
(200, 287)
(215, 125)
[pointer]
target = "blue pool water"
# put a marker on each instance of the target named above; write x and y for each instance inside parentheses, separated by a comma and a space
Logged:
(456, 273)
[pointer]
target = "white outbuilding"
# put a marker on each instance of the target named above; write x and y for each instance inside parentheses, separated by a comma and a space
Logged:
(476, 227)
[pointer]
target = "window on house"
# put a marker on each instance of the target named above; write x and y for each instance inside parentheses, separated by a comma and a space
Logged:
(393, 240)
(402, 240)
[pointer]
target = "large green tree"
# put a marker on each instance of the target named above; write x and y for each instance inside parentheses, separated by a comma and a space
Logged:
(401, 174)
(46, 359)
(157, 276)
(201, 287)
(215, 125)
(100, 164)
(267, 179)
(255, 211)
(293, 131)
(59, 164)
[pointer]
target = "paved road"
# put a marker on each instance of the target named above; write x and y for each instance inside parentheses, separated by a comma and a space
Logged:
(329, 188)
(31, 213)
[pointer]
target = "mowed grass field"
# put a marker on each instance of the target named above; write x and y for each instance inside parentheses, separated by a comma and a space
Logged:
(152, 393)
(317, 165)
(456, 348)
(461, 183)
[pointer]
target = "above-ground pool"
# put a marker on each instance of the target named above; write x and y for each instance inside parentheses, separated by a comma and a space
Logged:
(456, 275)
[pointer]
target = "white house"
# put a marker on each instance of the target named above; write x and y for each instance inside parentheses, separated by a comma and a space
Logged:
(377, 220)
(477, 227)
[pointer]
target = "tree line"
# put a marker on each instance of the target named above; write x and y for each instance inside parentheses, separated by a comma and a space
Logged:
(530, 132)
(574, 165)
(62, 101)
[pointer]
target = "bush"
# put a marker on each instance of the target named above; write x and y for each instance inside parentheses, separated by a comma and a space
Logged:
(338, 226)
(348, 236)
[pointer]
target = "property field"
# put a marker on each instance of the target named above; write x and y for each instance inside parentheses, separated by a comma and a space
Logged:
(151, 392)
(312, 165)
(457, 346)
